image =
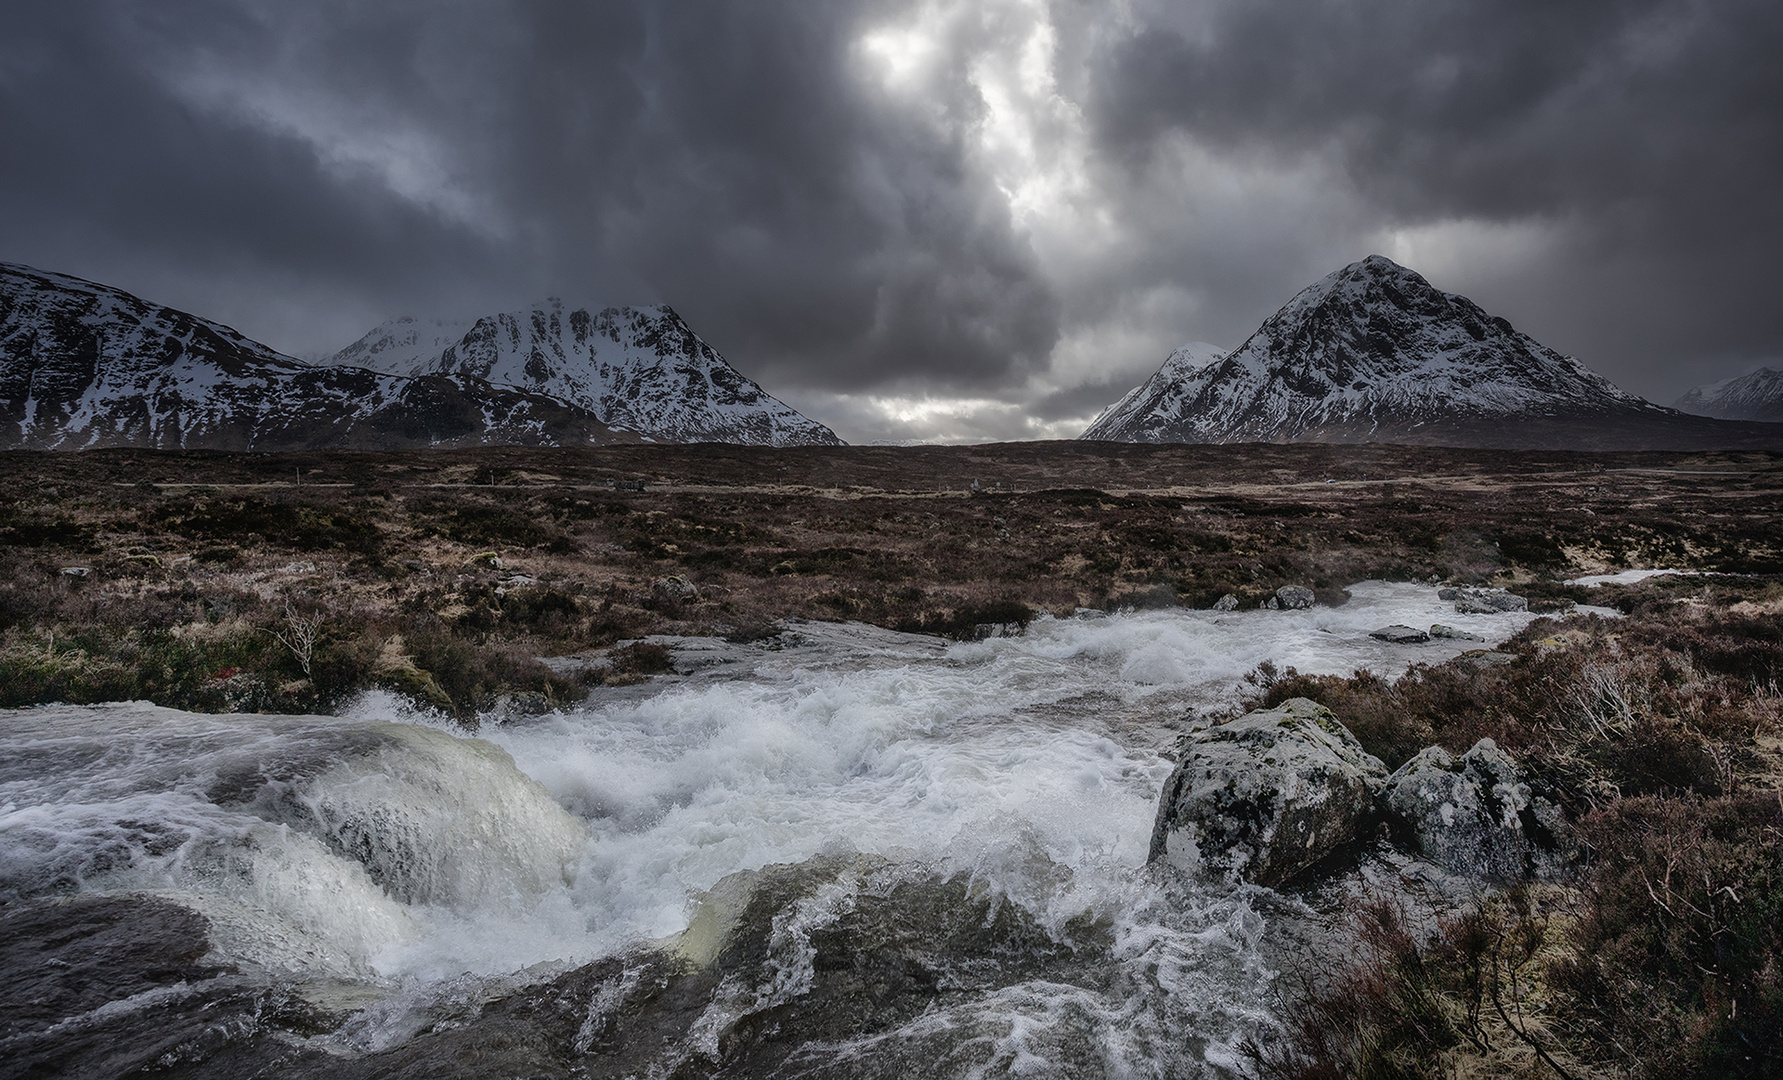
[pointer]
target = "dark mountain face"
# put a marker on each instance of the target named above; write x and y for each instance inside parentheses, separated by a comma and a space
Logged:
(83, 365)
(1374, 353)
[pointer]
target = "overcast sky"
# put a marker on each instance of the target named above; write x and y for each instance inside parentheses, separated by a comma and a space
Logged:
(958, 219)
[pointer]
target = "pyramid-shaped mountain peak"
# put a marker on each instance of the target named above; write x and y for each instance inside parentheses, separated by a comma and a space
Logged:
(1371, 352)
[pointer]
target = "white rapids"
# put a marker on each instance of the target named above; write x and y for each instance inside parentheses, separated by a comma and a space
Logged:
(381, 847)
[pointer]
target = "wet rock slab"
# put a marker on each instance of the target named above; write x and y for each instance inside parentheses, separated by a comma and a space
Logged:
(827, 968)
(1400, 635)
(103, 986)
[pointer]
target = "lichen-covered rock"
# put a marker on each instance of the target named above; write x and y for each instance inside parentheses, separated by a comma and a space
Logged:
(1476, 814)
(1227, 602)
(1262, 797)
(1489, 602)
(1294, 597)
(676, 588)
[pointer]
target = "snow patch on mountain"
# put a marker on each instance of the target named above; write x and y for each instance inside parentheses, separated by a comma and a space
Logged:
(1754, 396)
(405, 345)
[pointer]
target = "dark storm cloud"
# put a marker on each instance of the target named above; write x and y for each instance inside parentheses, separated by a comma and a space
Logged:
(1645, 133)
(105, 170)
(995, 224)
(725, 158)
(845, 239)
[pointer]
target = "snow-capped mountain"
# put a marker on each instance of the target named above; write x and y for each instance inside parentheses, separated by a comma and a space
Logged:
(1758, 396)
(638, 369)
(1371, 353)
(402, 346)
(1156, 396)
(85, 365)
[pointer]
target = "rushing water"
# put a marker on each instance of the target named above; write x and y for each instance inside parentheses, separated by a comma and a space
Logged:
(399, 875)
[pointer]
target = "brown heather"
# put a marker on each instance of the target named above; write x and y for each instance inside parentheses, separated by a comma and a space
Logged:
(1664, 956)
(198, 560)
(221, 582)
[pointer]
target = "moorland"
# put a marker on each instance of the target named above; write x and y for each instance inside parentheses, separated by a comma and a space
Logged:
(496, 582)
(223, 582)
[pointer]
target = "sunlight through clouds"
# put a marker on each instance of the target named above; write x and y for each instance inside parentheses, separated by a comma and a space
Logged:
(885, 204)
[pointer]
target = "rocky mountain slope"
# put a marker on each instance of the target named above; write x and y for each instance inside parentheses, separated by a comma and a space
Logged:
(1157, 396)
(83, 365)
(638, 369)
(1374, 353)
(1758, 396)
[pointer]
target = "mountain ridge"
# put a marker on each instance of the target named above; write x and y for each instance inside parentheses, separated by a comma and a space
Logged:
(85, 365)
(641, 369)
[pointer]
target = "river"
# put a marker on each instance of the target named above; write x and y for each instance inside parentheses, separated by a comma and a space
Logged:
(952, 834)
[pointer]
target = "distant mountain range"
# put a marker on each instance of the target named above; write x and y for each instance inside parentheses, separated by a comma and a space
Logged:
(1374, 353)
(83, 365)
(1758, 396)
(1371, 353)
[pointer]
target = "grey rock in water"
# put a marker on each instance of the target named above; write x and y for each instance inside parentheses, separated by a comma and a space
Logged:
(1447, 593)
(1294, 597)
(1227, 602)
(1272, 604)
(1265, 796)
(1489, 602)
(1438, 630)
(1400, 635)
(1477, 814)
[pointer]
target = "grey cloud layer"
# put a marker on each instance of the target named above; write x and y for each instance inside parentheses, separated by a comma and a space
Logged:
(1648, 134)
(724, 158)
(306, 170)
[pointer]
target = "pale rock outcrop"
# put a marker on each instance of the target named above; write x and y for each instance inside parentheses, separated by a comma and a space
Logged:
(1263, 797)
(1295, 597)
(1477, 814)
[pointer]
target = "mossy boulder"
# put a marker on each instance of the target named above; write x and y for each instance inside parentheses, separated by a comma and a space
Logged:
(1263, 797)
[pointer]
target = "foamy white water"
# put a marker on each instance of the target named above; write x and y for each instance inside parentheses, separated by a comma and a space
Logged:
(368, 847)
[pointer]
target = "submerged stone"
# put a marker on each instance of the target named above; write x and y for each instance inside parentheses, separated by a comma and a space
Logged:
(1265, 796)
